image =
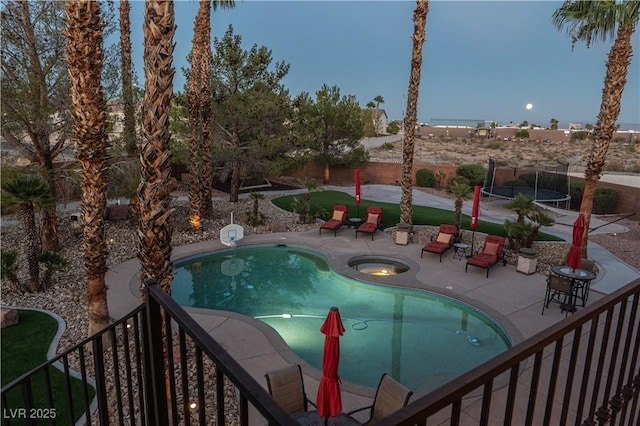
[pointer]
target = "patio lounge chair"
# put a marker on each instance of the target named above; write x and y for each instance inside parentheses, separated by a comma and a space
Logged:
(372, 221)
(390, 397)
(338, 219)
(559, 287)
(287, 389)
(442, 242)
(492, 253)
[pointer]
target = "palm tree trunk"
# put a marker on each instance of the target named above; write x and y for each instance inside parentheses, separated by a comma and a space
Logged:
(326, 178)
(85, 58)
(153, 192)
(129, 130)
(419, 23)
(32, 245)
(235, 182)
(614, 82)
(205, 112)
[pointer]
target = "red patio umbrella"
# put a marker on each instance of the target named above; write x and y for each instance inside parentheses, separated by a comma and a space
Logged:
(475, 212)
(329, 399)
(574, 257)
(356, 178)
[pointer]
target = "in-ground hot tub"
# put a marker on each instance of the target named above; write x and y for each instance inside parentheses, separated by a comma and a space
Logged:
(378, 265)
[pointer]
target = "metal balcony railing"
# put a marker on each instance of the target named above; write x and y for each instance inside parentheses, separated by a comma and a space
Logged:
(157, 366)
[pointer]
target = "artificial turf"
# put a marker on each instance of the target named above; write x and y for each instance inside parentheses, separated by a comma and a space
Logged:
(323, 201)
(24, 347)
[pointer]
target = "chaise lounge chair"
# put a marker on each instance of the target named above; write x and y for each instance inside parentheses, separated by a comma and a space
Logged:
(442, 242)
(390, 397)
(372, 221)
(338, 219)
(492, 253)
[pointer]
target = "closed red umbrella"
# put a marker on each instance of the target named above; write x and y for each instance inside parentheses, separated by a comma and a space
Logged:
(574, 257)
(329, 400)
(475, 212)
(356, 178)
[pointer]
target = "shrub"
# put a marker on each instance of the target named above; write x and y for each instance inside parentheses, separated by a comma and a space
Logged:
(475, 173)
(604, 199)
(387, 146)
(425, 178)
(576, 189)
(522, 133)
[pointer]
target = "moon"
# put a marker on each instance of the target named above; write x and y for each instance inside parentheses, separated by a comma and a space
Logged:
(529, 106)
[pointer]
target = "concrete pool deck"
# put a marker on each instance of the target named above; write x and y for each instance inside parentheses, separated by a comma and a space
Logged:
(510, 297)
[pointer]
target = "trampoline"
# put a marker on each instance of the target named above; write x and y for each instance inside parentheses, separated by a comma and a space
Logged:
(544, 182)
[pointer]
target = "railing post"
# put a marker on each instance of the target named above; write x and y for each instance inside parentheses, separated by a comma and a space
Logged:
(156, 394)
(101, 389)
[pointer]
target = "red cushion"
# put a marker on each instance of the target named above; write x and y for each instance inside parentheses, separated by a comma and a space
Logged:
(367, 227)
(436, 247)
(482, 260)
(331, 224)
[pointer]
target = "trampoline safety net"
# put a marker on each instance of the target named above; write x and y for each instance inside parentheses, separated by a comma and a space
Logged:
(545, 182)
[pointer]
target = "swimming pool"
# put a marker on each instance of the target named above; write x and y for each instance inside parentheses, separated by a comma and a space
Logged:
(422, 339)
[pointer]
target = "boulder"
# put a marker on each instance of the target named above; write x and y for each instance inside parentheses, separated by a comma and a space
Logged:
(8, 317)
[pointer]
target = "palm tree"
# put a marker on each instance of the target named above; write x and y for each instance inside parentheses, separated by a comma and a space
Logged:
(198, 74)
(153, 192)
(199, 101)
(462, 191)
(53, 262)
(378, 100)
(9, 267)
(587, 20)
(522, 205)
(85, 58)
(129, 130)
(28, 192)
(419, 23)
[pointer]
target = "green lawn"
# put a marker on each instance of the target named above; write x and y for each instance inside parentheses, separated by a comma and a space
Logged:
(24, 347)
(325, 200)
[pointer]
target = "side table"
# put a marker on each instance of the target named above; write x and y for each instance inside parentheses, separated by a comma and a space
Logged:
(460, 250)
(354, 222)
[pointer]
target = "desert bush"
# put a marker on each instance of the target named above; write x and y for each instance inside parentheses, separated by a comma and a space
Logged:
(522, 133)
(604, 199)
(576, 189)
(614, 166)
(425, 178)
(387, 146)
(494, 145)
(475, 173)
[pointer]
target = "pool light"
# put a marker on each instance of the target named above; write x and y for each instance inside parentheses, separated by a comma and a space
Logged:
(286, 316)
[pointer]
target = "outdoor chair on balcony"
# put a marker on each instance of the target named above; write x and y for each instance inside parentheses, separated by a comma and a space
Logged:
(441, 242)
(491, 254)
(287, 389)
(372, 221)
(390, 397)
(557, 288)
(338, 219)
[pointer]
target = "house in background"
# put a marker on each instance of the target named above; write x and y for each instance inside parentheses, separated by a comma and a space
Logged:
(379, 118)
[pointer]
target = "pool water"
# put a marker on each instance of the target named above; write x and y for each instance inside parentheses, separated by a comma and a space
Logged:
(423, 340)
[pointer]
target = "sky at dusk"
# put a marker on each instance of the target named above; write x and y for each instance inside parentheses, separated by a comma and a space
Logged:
(481, 60)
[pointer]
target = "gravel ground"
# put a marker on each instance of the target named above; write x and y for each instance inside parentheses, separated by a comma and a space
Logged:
(67, 297)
